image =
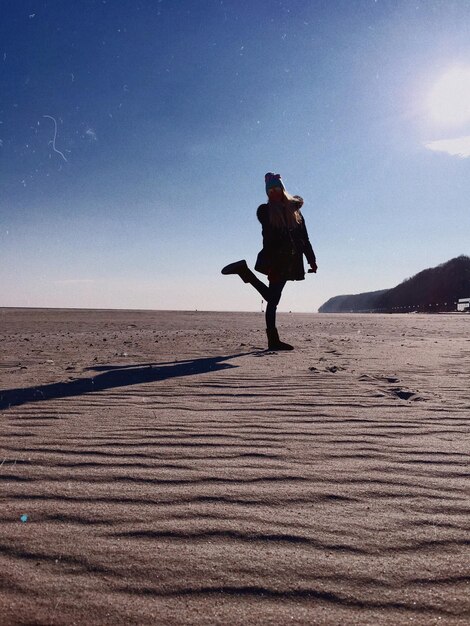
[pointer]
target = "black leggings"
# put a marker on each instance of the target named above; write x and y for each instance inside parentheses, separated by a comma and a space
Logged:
(272, 295)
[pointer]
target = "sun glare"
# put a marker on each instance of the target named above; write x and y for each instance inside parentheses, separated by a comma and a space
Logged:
(449, 99)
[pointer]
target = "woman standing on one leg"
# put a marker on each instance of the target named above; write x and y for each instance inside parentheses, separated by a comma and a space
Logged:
(285, 241)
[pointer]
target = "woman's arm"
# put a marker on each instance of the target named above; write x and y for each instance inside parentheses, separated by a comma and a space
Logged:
(308, 250)
(272, 238)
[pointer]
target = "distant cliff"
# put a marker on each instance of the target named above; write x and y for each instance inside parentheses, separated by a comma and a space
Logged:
(352, 303)
(433, 290)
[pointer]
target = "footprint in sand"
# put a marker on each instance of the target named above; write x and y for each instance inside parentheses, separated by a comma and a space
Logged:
(401, 393)
(405, 394)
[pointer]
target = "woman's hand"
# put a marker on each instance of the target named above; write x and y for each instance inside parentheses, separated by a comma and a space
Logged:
(313, 268)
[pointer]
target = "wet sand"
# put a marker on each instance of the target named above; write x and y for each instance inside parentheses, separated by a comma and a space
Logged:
(164, 468)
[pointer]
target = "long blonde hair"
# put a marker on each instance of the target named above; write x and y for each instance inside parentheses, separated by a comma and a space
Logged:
(287, 212)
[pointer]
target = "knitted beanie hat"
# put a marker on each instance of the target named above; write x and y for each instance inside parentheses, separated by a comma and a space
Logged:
(273, 180)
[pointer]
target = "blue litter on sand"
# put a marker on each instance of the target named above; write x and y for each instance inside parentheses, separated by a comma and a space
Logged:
(24, 518)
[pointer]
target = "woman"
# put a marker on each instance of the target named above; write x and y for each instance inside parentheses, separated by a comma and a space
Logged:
(285, 241)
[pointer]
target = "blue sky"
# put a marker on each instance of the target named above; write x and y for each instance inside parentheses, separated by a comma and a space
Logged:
(168, 115)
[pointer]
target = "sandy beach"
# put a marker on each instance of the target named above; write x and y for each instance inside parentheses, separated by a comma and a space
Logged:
(165, 468)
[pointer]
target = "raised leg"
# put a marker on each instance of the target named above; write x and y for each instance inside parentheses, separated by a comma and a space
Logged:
(242, 269)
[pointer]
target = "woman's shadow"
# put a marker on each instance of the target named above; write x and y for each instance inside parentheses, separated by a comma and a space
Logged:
(116, 376)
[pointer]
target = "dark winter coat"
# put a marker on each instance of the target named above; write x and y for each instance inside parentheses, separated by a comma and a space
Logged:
(283, 249)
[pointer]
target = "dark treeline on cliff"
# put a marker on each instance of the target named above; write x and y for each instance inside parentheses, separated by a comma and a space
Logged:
(433, 290)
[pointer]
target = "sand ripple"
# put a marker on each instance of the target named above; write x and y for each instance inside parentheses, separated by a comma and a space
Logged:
(199, 481)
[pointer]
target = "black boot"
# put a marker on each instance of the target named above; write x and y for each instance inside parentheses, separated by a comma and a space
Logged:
(274, 343)
(240, 268)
